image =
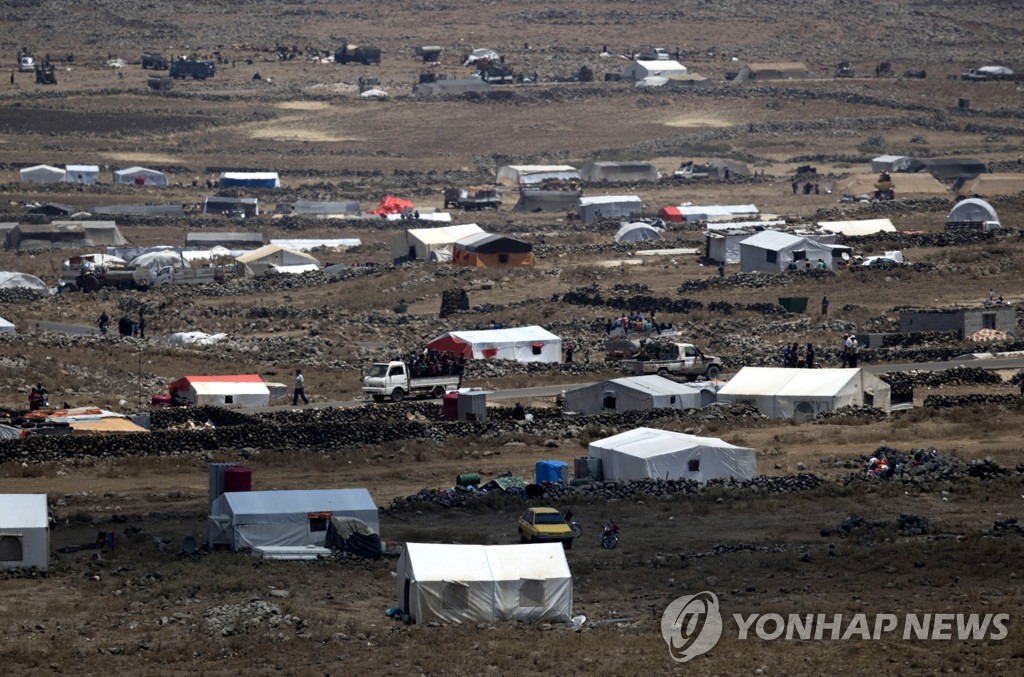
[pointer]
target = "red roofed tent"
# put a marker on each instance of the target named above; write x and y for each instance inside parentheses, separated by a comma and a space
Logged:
(670, 214)
(247, 390)
(392, 205)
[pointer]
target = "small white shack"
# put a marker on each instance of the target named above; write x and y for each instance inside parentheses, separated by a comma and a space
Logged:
(24, 532)
(140, 176)
(246, 390)
(635, 392)
(484, 583)
(522, 344)
(802, 394)
(638, 70)
(649, 453)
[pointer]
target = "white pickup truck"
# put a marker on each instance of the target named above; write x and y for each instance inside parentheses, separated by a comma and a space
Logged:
(394, 380)
(680, 359)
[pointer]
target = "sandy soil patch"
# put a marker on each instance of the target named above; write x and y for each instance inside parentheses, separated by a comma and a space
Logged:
(698, 121)
(295, 129)
(303, 105)
(154, 158)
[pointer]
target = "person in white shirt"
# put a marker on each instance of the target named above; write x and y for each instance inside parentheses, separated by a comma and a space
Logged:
(300, 388)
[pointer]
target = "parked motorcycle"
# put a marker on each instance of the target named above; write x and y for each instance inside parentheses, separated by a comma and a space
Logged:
(610, 535)
(575, 527)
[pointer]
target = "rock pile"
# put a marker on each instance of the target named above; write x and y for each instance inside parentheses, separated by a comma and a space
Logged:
(254, 617)
(972, 400)
(454, 301)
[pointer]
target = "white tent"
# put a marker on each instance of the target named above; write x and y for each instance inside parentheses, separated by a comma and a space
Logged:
(772, 251)
(6, 327)
(637, 70)
(421, 243)
(304, 245)
(523, 344)
(247, 390)
(629, 172)
(484, 583)
(132, 176)
(635, 392)
(972, 210)
(649, 453)
(24, 531)
(255, 519)
(691, 213)
(272, 255)
(482, 53)
(82, 174)
(11, 280)
(590, 209)
(802, 394)
(249, 179)
(858, 228)
(529, 175)
(159, 259)
(42, 174)
(637, 232)
(891, 163)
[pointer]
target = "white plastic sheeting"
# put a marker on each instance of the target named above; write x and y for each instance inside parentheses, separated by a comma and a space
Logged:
(649, 453)
(484, 583)
(12, 280)
(184, 339)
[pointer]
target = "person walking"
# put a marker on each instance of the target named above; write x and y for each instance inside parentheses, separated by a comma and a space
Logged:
(104, 323)
(300, 388)
(824, 304)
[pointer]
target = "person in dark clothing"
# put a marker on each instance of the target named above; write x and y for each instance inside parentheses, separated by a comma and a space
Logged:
(104, 322)
(142, 326)
(824, 304)
(519, 414)
(125, 326)
(568, 352)
(809, 357)
(795, 184)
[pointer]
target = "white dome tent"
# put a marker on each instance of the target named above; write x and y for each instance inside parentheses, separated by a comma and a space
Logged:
(972, 210)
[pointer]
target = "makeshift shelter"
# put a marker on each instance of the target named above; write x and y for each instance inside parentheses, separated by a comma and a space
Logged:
(30, 236)
(270, 256)
(523, 344)
(785, 70)
(964, 320)
(802, 394)
(691, 213)
(992, 185)
(24, 532)
(637, 232)
(140, 210)
(42, 174)
(392, 205)
(649, 453)
(483, 250)
(6, 327)
(949, 169)
(903, 184)
(249, 180)
(421, 243)
(296, 518)
(537, 200)
(53, 209)
(772, 251)
(140, 176)
(860, 228)
(100, 233)
(246, 390)
(245, 207)
(637, 70)
(722, 169)
(14, 280)
(531, 175)
(205, 240)
(971, 210)
(326, 209)
(634, 393)
(590, 209)
(619, 171)
(87, 175)
(484, 583)
(722, 240)
(892, 163)
(482, 54)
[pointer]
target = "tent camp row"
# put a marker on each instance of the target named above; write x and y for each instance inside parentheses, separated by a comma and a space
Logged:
(90, 174)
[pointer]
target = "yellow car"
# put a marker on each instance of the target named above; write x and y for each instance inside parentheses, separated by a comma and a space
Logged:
(544, 525)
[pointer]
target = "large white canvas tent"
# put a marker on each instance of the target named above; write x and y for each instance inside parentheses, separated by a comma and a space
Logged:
(271, 256)
(859, 228)
(635, 392)
(590, 209)
(137, 176)
(247, 390)
(24, 531)
(529, 175)
(619, 171)
(82, 174)
(42, 174)
(772, 251)
(802, 394)
(423, 244)
(649, 453)
(484, 583)
(6, 327)
(297, 518)
(637, 70)
(249, 179)
(523, 344)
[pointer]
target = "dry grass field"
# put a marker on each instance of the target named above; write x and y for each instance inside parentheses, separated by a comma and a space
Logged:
(142, 609)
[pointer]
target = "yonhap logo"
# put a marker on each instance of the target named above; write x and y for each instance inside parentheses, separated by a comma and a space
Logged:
(691, 625)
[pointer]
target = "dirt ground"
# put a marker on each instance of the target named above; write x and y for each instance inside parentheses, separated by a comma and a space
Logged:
(143, 609)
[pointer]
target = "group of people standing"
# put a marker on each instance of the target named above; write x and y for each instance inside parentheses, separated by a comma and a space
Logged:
(794, 357)
(851, 351)
(126, 326)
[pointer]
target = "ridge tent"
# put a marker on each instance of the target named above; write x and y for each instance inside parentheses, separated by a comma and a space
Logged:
(530, 175)
(722, 240)
(637, 232)
(421, 243)
(537, 200)
(43, 174)
(140, 210)
(523, 344)
(802, 394)
(903, 184)
(249, 180)
(484, 583)
(101, 233)
(772, 251)
(638, 70)
(949, 169)
(454, 87)
(483, 250)
(860, 228)
(269, 256)
(24, 532)
(294, 518)
(28, 236)
(590, 209)
(717, 168)
(87, 175)
(633, 393)
(247, 390)
(140, 176)
(649, 453)
(786, 70)
(307, 244)
(230, 240)
(992, 185)
(619, 171)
